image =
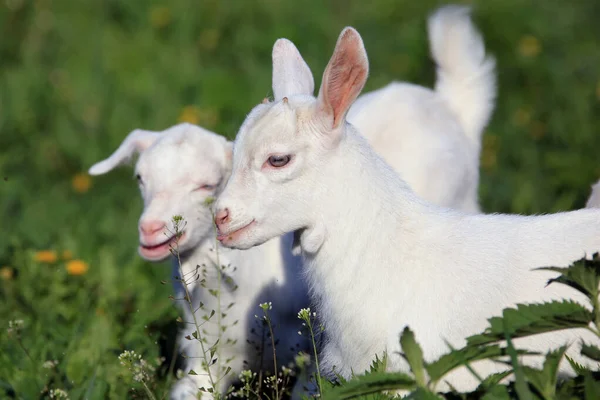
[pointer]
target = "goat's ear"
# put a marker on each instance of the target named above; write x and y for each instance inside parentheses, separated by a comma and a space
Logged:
(344, 78)
(291, 74)
(137, 141)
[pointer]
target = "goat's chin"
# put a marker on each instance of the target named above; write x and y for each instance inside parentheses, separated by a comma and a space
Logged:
(154, 255)
(243, 240)
(161, 251)
(239, 243)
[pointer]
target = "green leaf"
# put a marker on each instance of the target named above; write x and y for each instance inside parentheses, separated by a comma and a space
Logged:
(379, 365)
(491, 381)
(498, 392)
(531, 319)
(371, 383)
(578, 368)
(570, 388)
(192, 372)
(520, 383)
(552, 362)
(590, 351)
(213, 348)
(456, 358)
(591, 387)
(413, 354)
(423, 394)
(544, 380)
(583, 275)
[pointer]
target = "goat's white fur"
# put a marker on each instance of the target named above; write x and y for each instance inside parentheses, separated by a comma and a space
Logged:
(377, 257)
(594, 199)
(173, 164)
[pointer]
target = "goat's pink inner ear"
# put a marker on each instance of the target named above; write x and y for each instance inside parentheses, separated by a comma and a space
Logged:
(345, 75)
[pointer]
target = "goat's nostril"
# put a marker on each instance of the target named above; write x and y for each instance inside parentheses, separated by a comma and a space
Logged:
(222, 216)
(151, 227)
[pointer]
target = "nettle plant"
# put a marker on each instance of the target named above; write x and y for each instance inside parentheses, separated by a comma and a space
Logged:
(496, 343)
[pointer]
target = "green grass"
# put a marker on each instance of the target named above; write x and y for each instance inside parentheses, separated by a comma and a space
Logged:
(77, 76)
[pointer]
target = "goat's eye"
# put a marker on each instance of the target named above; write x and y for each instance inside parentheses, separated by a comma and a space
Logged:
(279, 161)
(206, 187)
(139, 178)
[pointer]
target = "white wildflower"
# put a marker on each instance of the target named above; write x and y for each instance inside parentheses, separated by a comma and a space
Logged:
(15, 326)
(50, 364)
(302, 360)
(58, 394)
(140, 369)
(304, 314)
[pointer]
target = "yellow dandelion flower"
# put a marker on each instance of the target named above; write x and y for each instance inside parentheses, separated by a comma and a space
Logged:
(529, 46)
(209, 39)
(522, 117)
(77, 267)
(190, 114)
(81, 183)
(67, 255)
(6, 273)
(160, 16)
(46, 256)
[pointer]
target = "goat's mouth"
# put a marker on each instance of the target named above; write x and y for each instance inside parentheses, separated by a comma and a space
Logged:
(229, 237)
(160, 251)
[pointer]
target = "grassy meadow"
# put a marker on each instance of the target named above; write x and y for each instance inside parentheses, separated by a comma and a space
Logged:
(77, 76)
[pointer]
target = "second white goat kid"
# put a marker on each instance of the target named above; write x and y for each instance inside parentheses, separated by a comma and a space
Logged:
(432, 138)
(178, 170)
(377, 257)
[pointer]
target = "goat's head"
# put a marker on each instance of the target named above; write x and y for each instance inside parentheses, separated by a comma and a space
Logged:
(178, 170)
(283, 146)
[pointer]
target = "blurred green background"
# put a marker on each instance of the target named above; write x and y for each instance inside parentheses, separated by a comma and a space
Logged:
(77, 76)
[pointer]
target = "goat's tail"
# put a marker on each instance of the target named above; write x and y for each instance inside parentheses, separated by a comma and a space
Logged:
(594, 199)
(466, 77)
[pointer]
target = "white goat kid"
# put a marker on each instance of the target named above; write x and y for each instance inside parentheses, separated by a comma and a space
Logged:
(594, 199)
(377, 257)
(178, 170)
(432, 138)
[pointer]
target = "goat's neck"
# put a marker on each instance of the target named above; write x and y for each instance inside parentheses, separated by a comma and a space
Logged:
(370, 205)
